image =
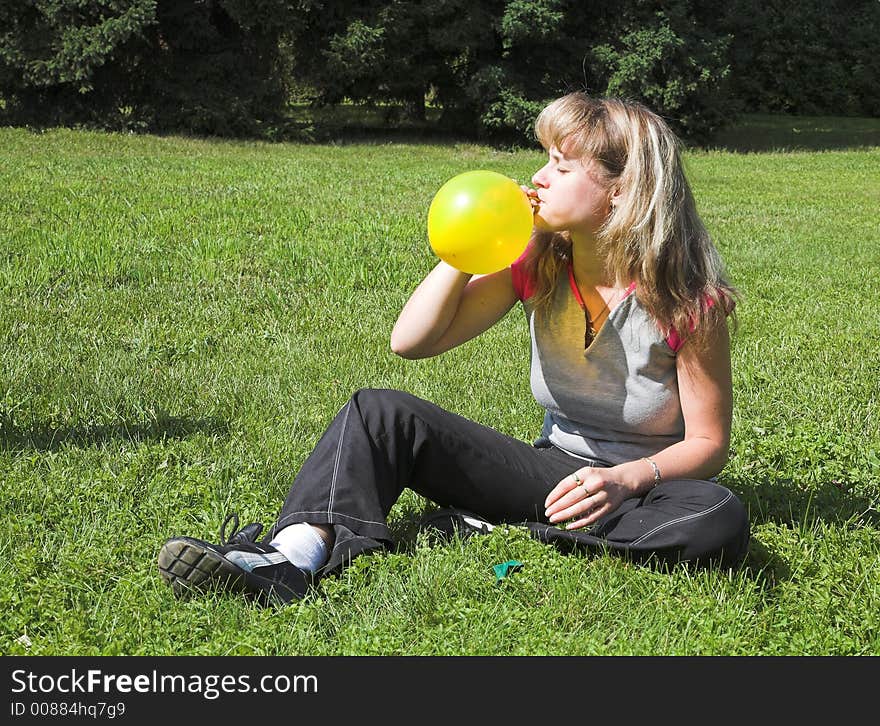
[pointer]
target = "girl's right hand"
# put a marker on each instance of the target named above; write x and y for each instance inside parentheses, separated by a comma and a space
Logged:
(532, 194)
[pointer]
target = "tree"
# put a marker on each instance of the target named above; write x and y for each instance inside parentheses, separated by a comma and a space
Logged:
(56, 59)
(492, 64)
(670, 56)
(207, 66)
(810, 57)
(227, 66)
(390, 51)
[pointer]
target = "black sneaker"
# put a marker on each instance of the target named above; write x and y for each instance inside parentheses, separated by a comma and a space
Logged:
(239, 563)
(449, 522)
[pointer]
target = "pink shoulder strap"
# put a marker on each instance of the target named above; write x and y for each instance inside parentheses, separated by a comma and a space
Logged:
(523, 284)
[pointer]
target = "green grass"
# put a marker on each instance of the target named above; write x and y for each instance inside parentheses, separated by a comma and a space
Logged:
(764, 132)
(182, 318)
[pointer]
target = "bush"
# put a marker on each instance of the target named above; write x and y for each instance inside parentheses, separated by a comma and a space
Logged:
(814, 57)
(206, 67)
(229, 67)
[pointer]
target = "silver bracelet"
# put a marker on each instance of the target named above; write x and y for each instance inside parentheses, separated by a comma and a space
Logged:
(657, 477)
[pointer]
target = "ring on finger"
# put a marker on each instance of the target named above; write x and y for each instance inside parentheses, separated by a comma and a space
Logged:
(577, 480)
(584, 487)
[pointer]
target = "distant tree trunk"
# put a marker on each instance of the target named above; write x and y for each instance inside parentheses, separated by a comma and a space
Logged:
(414, 104)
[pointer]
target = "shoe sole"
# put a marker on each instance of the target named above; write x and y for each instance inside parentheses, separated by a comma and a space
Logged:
(189, 565)
(449, 522)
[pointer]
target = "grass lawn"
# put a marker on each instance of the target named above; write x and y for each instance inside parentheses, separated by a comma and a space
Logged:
(182, 318)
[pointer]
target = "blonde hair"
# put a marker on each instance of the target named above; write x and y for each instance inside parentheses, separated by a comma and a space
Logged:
(654, 236)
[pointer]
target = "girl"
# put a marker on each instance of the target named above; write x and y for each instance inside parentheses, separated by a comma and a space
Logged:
(627, 306)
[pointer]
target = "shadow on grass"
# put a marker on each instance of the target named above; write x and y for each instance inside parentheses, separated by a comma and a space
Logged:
(354, 134)
(366, 123)
(766, 133)
(785, 504)
(782, 503)
(358, 124)
(45, 438)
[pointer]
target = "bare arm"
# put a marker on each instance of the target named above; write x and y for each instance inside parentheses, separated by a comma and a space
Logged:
(706, 391)
(448, 308)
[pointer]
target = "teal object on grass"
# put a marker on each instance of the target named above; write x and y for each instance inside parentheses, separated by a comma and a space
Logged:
(505, 569)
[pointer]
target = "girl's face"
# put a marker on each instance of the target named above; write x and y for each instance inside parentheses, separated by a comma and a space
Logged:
(571, 195)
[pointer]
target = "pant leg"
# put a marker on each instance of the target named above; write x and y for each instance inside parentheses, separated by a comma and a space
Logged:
(684, 520)
(383, 441)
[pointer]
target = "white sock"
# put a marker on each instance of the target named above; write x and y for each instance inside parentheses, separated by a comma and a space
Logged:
(302, 545)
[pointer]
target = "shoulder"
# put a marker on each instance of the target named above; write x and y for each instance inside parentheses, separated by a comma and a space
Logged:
(713, 310)
(522, 274)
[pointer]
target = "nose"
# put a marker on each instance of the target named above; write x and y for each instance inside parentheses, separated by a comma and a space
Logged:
(538, 177)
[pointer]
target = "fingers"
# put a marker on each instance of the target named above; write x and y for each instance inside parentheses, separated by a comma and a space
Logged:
(566, 501)
(564, 487)
(574, 499)
(532, 195)
(588, 519)
(575, 505)
(560, 489)
(582, 512)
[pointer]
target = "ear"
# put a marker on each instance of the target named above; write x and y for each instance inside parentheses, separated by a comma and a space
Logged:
(616, 198)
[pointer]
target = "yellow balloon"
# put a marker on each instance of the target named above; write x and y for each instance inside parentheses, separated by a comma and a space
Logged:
(479, 222)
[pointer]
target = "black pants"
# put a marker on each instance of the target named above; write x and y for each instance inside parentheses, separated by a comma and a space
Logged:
(383, 441)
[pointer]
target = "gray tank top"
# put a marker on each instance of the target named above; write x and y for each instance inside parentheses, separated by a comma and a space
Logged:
(615, 401)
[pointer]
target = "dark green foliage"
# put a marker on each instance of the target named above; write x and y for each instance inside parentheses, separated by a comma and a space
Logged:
(816, 57)
(217, 66)
(671, 59)
(205, 66)
(396, 52)
(486, 67)
(62, 62)
(492, 65)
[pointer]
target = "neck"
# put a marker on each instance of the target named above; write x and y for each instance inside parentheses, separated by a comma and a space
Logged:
(588, 264)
